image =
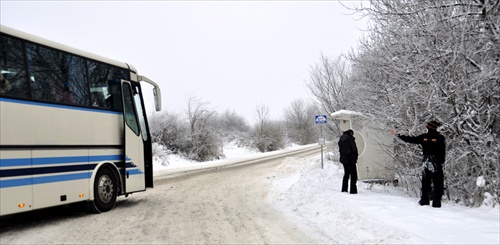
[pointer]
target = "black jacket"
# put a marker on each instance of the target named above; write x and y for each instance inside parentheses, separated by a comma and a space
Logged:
(347, 148)
(433, 143)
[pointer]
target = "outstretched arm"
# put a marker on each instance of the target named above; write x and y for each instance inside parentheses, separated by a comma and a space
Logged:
(407, 139)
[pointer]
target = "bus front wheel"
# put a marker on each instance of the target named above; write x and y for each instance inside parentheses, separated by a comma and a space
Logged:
(105, 190)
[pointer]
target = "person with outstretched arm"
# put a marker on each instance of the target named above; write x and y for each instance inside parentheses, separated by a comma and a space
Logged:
(434, 154)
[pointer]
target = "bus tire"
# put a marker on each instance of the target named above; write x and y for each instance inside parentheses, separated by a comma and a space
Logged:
(105, 190)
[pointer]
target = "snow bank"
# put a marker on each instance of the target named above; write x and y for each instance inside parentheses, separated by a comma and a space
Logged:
(377, 214)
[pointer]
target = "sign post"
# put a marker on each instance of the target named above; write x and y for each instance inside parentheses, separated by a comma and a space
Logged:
(321, 119)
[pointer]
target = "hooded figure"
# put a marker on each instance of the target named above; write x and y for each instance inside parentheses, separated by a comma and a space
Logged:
(434, 154)
(348, 158)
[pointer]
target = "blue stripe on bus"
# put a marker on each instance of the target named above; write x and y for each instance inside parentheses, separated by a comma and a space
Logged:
(43, 180)
(131, 171)
(45, 170)
(51, 179)
(134, 171)
(15, 182)
(60, 178)
(56, 160)
(15, 162)
(10, 162)
(27, 102)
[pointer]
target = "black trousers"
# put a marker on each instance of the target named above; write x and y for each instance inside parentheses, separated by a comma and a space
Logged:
(436, 179)
(351, 172)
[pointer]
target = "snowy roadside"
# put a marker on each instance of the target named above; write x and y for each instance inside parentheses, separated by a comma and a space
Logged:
(311, 196)
(165, 164)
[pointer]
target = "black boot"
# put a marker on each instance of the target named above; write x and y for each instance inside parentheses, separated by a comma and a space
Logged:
(436, 203)
(423, 202)
(354, 189)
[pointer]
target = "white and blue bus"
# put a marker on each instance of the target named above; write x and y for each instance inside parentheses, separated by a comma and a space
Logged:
(73, 126)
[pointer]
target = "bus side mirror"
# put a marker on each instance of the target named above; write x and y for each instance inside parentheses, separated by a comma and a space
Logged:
(156, 91)
(157, 99)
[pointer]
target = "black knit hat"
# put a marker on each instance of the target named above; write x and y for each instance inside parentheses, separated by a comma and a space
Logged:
(433, 125)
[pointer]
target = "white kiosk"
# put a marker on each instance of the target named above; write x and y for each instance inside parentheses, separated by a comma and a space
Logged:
(374, 145)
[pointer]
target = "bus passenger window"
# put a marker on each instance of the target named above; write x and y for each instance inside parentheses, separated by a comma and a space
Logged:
(140, 114)
(45, 77)
(130, 117)
(114, 99)
(105, 79)
(75, 86)
(13, 80)
(56, 76)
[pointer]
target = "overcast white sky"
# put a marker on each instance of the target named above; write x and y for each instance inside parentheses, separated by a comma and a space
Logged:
(234, 54)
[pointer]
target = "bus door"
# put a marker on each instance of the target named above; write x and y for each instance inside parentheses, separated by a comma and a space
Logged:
(133, 175)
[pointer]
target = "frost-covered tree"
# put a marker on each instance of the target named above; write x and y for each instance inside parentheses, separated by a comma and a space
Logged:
(425, 60)
(299, 122)
(168, 130)
(328, 83)
(195, 136)
(233, 127)
(267, 135)
(204, 139)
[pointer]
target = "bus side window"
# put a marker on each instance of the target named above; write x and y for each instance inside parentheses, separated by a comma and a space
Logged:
(114, 99)
(57, 76)
(130, 117)
(75, 85)
(105, 79)
(13, 80)
(140, 114)
(44, 75)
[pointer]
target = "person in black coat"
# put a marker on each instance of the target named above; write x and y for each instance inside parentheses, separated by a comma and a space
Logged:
(434, 154)
(349, 158)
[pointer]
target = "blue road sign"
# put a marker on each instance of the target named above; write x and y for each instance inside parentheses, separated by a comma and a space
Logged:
(321, 119)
